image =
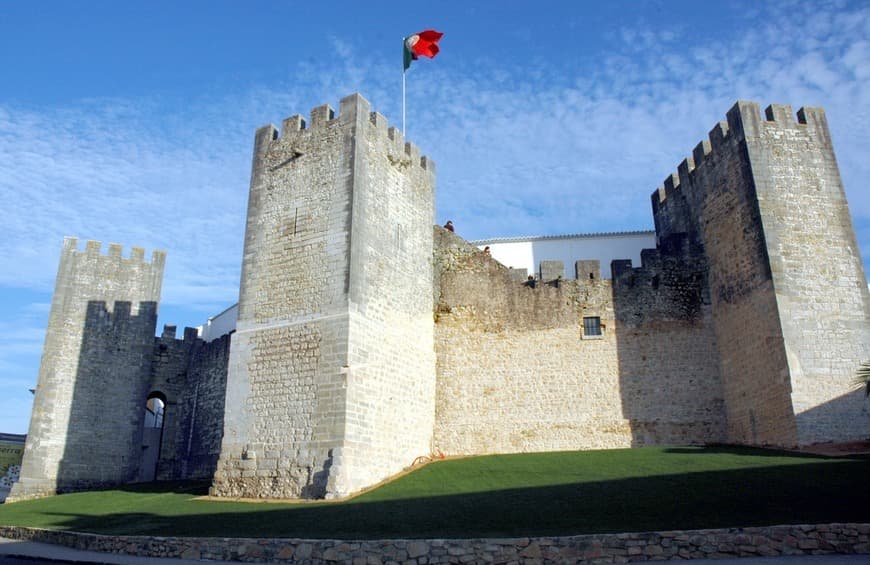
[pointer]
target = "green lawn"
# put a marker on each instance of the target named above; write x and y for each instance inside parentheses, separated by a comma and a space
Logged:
(500, 496)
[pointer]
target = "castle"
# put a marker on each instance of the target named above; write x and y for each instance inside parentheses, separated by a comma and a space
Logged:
(367, 338)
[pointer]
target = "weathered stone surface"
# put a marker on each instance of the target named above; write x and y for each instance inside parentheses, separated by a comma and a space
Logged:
(365, 340)
(765, 201)
(191, 375)
(336, 275)
(517, 374)
(595, 548)
(95, 371)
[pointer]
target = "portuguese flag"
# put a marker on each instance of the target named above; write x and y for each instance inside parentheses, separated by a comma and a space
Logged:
(424, 43)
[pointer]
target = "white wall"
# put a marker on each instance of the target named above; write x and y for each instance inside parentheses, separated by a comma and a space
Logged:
(219, 324)
(520, 253)
(527, 253)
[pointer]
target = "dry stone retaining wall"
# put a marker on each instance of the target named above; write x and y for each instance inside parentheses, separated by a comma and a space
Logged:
(593, 548)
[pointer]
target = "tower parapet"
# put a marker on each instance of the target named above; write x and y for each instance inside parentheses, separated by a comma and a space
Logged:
(95, 364)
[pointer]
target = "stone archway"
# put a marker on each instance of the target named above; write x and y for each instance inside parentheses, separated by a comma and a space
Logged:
(152, 435)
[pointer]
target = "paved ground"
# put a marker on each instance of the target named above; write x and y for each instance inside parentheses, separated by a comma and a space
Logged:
(30, 553)
(789, 560)
(47, 553)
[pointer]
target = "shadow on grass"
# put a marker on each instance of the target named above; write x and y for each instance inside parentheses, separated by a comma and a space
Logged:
(800, 493)
(760, 452)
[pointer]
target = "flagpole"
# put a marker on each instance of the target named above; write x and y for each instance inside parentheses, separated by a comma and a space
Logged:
(403, 102)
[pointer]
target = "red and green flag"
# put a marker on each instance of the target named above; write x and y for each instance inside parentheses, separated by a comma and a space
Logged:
(424, 43)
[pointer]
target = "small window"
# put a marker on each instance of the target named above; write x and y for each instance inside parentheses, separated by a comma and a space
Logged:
(592, 327)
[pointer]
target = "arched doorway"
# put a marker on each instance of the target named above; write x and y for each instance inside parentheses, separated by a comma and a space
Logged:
(152, 434)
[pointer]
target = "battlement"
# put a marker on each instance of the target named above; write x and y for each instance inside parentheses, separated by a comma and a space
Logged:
(585, 271)
(100, 313)
(190, 335)
(93, 249)
(350, 108)
(673, 251)
(744, 121)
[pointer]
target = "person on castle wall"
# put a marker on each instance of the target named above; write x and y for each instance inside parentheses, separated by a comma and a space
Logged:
(449, 225)
(531, 281)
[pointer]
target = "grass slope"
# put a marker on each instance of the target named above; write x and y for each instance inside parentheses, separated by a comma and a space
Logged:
(558, 493)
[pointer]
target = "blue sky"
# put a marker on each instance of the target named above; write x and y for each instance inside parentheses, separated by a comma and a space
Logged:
(132, 122)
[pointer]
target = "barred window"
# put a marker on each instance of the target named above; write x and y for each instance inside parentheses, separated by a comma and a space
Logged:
(592, 326)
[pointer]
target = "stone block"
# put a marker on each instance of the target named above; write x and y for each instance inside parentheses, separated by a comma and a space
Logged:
(587, 270)
(551, 270)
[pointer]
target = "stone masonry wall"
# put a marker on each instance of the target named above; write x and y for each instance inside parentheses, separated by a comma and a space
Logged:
(168, 377)
(717, 191)
(192, 375)
(515, 373)
(330, 348)
(390, 374)
(821, 539)
(285, 395)
(669, 375)
(790, 303)
(202, 409)
(96, 365)
(818, 275)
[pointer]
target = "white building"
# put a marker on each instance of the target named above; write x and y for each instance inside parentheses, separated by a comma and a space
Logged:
(528, 252)
(519, 253)
(219, 324)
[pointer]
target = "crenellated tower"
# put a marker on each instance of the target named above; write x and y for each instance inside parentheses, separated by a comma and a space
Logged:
(365, 338)
(764, 199)
(331, 380)
(86, 426)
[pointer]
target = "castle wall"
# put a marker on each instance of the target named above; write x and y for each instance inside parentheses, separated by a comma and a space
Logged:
(713, 198)
(285, 399)
(669, 374)
(95, 366)
(765, 201)
(517, 374)
(323, 310)
(192, 375)
(390, 374)
(171, 358)
(818, 276)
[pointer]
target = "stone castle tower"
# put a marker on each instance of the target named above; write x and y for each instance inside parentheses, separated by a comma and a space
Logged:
(332, 373)
(765, 201)
(93, 379)
(366, 337)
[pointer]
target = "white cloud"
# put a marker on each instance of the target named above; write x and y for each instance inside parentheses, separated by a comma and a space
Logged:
(857, 60)
(561, 154)
(518, 151)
